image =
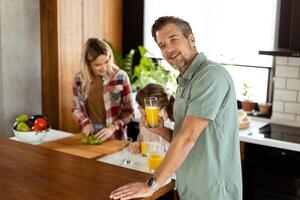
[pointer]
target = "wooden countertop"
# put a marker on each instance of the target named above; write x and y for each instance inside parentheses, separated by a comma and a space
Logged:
(33, 172)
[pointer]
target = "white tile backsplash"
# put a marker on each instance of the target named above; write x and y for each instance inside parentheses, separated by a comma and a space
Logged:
(286, 94)
(280, 83)
(288, 72)
(276, 115)
(293, 84)
(293, 61)
(282, 60)
(293, 108)
(278, 106)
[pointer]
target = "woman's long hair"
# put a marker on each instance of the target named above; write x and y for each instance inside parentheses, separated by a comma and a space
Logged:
(92, 50)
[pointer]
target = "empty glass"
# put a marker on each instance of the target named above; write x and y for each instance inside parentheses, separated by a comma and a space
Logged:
(127, 155)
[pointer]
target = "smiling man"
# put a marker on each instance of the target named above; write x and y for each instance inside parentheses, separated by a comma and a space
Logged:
(204, 151)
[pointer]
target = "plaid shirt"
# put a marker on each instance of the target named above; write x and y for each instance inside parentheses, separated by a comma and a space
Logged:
(117, 101)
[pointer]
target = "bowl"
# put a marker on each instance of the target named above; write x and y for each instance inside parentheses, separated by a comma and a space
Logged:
(32, 137)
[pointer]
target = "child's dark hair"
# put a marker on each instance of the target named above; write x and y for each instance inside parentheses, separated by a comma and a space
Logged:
(156, 90)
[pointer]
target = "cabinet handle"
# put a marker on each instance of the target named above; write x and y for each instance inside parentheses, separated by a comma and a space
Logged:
(283, 153)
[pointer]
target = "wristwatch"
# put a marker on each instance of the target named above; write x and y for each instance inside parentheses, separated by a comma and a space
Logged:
(152, 183)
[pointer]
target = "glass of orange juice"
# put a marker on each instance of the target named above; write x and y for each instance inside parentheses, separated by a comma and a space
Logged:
(144, 144)
(155, 155)
(152, 110)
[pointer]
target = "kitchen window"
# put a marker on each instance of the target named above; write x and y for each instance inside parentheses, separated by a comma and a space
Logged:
(256, 77)
(230, 32)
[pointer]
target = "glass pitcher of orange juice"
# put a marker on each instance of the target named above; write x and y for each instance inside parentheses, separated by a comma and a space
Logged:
(152, 110)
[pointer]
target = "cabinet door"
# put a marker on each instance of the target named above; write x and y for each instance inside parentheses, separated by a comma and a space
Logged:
(262, 195)
(280, 183)
(295, 26)
(289, 25)
(284, 24)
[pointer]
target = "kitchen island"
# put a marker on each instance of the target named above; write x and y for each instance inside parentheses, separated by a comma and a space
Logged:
(33, 172)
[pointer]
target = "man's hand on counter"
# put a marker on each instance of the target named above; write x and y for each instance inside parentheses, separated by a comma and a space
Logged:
(132, 190)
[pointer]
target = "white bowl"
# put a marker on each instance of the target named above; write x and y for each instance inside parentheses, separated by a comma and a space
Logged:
(32, 137)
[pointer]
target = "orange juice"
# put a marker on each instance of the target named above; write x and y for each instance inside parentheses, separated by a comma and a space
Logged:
(144, 149)
(152, 116)
(154, 161)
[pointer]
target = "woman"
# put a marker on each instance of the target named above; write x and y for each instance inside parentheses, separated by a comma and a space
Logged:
(165, 103)
(102, 93)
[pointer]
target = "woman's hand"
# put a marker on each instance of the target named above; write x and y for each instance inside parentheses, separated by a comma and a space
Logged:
(106, 133)
(87, 130)
(135, 147)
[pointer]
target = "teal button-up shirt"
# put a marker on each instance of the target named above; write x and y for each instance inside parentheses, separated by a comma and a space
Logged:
(212, 170)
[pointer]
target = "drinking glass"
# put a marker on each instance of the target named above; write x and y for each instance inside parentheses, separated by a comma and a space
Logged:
(155, 155)
(127, 155)
(151, 109)
(144, 144)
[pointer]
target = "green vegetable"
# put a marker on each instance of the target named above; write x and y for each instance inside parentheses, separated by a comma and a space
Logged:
(22, 118)
(96, 142)
(90, 140)
(22, 126)
(83, 140)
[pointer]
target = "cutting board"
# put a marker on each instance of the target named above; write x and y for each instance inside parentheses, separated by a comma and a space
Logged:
(71, 145)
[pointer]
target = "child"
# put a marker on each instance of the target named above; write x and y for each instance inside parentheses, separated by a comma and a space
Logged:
(165, 103)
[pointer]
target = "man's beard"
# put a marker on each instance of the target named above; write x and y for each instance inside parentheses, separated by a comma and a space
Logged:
(182, 65)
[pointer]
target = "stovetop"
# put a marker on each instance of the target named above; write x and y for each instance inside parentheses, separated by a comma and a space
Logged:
(280, 132)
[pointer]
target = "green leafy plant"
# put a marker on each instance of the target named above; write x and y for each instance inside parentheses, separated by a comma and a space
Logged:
(246, 92)
(149, 70)
(247, 104)
(125, 63)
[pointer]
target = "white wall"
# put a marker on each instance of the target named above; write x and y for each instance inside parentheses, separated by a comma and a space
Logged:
(20, 56)
(286, 97)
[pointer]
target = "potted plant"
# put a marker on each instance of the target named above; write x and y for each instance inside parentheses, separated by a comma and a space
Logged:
(148, 70)
(247, 104)
(264, 108)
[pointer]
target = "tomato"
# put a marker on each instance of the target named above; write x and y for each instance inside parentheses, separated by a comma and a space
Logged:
(36, 128)
(41, 123)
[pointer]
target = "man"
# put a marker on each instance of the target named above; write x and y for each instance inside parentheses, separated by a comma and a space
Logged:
(204, 151)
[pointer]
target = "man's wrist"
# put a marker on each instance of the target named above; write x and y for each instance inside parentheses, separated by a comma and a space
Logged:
(151, 182)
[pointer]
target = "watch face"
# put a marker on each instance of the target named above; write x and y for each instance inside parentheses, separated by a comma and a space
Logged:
(150, 182)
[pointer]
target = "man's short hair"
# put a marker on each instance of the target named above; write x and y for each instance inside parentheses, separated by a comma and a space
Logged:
(163, 21)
